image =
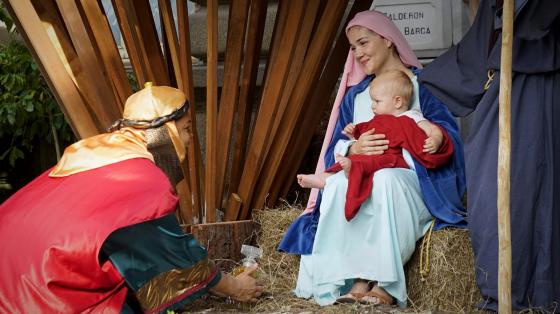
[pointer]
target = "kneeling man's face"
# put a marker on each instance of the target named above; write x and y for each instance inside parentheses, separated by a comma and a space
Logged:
(184, 127)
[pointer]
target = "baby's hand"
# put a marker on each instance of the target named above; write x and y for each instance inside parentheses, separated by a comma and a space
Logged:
(432, 144)
(349, 131)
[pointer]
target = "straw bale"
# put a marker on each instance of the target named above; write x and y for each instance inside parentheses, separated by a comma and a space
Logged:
(449, 285)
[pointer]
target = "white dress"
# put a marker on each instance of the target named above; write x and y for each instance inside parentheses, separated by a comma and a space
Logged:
(378, 241)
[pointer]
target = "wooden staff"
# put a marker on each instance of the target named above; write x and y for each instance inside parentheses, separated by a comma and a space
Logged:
(504, 160)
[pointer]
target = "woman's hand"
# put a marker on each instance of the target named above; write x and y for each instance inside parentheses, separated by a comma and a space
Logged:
(369, 144)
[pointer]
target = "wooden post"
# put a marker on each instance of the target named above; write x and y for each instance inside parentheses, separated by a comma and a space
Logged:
(169, 30)
(228, 100)
(103, 104)
(316, 102)
(255, 31)
(211, 110)
(108, 50)
(298, 68)
(127, 24)
(272, 92)
(194, 153)
(504, 160)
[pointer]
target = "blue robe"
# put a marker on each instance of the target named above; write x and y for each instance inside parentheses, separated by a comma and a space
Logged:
(458, 78)
(442, 188)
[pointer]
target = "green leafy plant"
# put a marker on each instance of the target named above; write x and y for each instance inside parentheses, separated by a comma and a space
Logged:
(28, 111)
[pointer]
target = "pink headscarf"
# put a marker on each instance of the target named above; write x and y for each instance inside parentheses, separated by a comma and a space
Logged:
(353, 74)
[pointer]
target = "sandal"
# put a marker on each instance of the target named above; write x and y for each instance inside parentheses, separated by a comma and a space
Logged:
(377, 297)
(349, 298)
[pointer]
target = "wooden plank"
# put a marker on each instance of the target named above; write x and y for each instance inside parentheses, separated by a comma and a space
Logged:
(303, 40)
(109, 52)
(150, 41)
(103, 104)
(230, 88)
(255, 31)
(317, 102)
(223, 240)
(269, 105)
(127, 20)
(52, 67)
(185, 202)
(279, 25)
(266, 176)
(504, 161)
(211, 111)
(171, 38)
(310, 73)
(194, 151)
(51, 19)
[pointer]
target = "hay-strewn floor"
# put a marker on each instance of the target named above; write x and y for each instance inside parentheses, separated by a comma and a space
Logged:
(279, 274)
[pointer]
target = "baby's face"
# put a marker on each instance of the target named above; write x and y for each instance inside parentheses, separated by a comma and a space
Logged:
(382, 102)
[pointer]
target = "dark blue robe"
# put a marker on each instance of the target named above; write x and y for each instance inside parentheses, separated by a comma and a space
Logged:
(458, 78)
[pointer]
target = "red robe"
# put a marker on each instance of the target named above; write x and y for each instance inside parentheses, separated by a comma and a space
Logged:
(402, 132)
(52, 231)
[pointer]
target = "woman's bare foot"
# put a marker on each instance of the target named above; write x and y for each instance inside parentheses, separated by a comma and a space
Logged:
(312, 180)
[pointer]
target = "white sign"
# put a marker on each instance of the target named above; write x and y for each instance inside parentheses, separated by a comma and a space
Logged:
(425, 24)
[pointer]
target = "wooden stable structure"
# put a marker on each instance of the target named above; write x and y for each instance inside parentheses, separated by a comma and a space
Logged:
(74, 46)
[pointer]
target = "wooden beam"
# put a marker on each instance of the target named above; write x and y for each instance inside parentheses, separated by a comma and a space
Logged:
(151, 44)
(185, 201)
(128, 22)
(230, 88)
(269, 105)
(275, 45)
(504, 161)
(171, 35)
(211, 111)
(255, 31)
(310, 73)
(103, 104)
(109, 52)
(317, 101)
(52, 67)
(267, 172)
(194, 159)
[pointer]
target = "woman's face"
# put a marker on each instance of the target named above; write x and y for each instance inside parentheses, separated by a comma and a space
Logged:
(370, 50)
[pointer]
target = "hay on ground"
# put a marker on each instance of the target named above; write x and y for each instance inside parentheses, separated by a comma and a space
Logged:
(449, 285)
(279, 274)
